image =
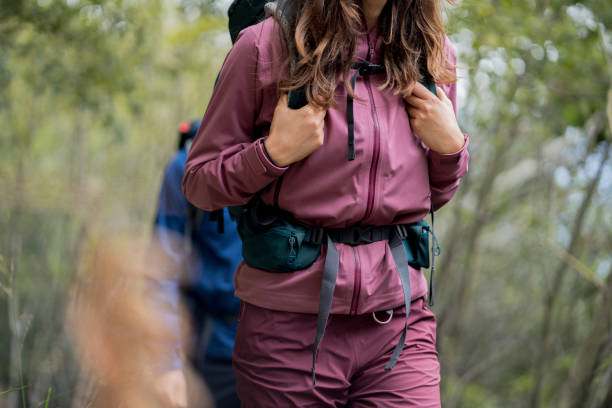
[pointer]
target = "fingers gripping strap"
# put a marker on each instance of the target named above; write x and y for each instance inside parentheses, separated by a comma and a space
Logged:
(330, 273)
(401, 261)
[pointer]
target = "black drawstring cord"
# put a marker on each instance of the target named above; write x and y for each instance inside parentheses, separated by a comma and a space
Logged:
(350, 120)
(363, 69)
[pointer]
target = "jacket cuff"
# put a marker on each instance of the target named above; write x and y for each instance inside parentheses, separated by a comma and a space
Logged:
(260, 163)
(441, 160)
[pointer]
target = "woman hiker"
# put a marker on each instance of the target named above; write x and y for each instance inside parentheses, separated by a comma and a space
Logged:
(329, 195)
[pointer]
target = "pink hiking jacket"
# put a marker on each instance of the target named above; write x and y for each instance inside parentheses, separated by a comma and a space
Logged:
(393, 179)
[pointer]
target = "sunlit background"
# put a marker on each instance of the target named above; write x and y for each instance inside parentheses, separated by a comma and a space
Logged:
(92, 92)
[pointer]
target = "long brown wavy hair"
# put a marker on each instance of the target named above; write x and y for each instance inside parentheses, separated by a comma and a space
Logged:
(325, 33)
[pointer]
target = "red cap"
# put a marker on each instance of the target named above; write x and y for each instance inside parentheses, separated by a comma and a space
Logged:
(184, 127)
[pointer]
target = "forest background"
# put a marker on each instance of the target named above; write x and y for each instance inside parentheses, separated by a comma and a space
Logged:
(91, 94)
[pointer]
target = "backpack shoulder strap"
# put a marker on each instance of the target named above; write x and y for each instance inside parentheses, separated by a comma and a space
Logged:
(244, 13)
(278, 12)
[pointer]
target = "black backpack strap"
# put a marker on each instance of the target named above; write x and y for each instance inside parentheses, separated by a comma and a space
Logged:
(297, 98)
(192, 223)
(217, 216)
(428, 80)
(279, 13)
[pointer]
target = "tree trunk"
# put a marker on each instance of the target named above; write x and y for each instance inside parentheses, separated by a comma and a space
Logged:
(578, 384)
(542, 351)
(588, 359)
(17, 327)
(450, 315)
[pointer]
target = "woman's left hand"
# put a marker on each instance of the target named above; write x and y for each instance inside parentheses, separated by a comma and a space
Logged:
(433, 120)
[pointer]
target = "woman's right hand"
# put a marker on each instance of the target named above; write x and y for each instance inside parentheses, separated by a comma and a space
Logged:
(294, 133)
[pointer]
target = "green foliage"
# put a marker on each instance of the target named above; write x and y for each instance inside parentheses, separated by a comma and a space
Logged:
(91, 93)
(478, 396)
(535, 77)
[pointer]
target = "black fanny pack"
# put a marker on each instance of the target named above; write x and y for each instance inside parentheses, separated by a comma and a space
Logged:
(273, 241)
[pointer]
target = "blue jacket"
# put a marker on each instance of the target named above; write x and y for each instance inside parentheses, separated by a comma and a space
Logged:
(205, 277)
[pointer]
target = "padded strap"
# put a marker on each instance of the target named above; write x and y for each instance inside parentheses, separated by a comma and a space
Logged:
(401, 261)
(330, 273)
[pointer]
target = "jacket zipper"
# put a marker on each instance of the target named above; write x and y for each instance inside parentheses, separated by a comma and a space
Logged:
(357, 285)
(376, 153)
(292, 248)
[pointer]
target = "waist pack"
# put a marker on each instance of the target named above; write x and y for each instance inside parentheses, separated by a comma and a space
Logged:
(273, 241)
(275, 246)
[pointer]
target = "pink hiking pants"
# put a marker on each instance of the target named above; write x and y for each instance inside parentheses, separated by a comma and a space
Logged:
(273, 358)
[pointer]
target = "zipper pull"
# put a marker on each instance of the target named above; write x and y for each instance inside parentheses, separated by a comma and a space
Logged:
(292, 247)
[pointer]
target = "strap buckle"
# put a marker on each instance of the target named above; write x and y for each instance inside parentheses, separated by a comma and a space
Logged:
(316, 235)
(401, 231)
(361, 235)
(367, 68)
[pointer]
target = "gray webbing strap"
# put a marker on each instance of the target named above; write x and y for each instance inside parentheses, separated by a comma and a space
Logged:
(330, 273)
(279, 12)
(401, 261)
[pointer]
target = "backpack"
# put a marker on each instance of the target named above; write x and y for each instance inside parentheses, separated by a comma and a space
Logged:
(244, 13)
